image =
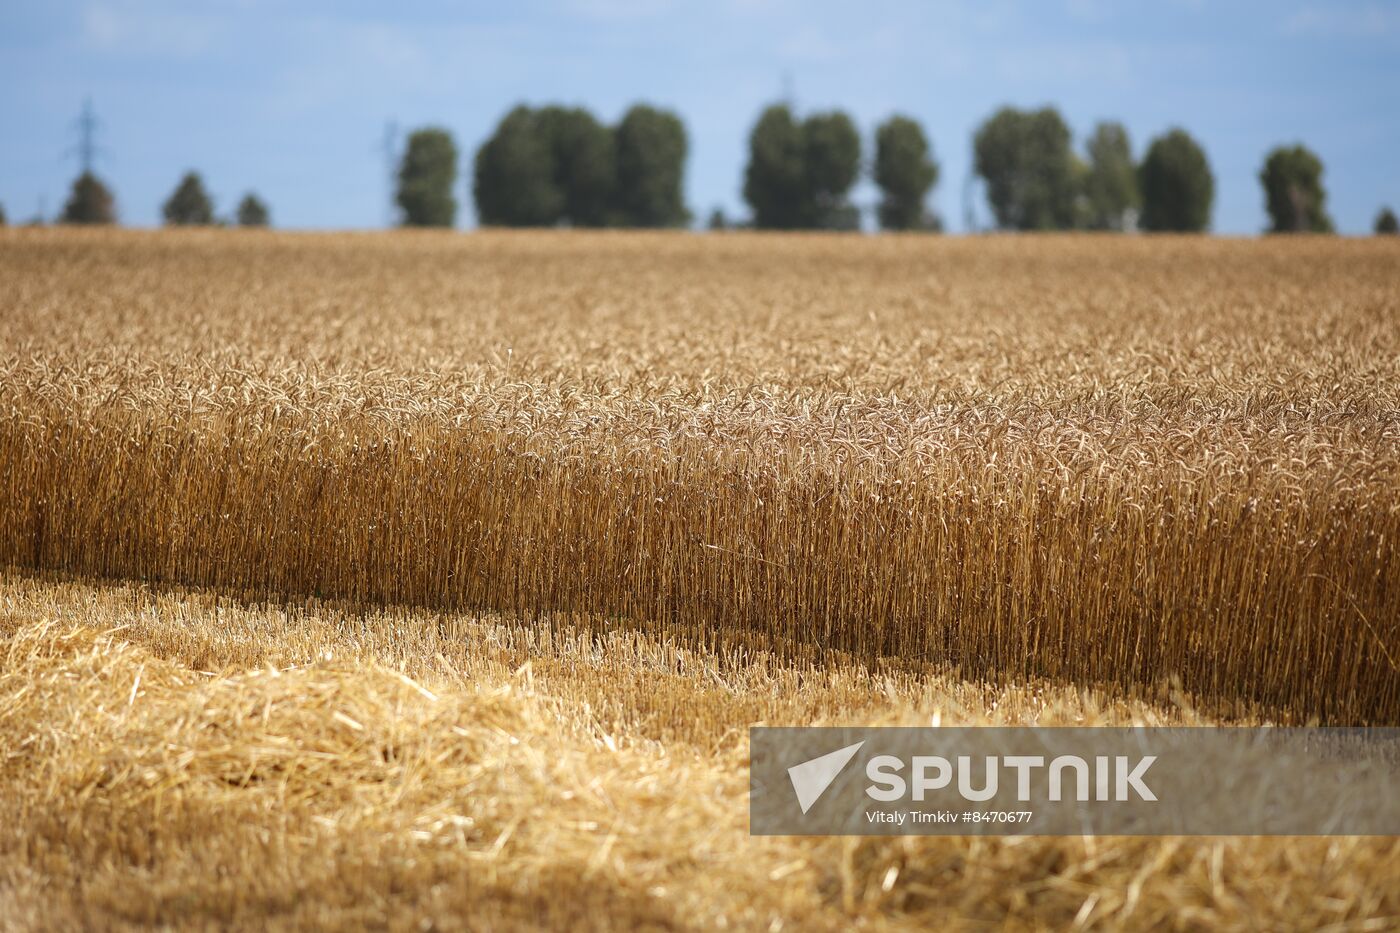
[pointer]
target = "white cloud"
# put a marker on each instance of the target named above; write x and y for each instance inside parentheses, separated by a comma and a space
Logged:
(1363, 21)
(381, 66)
(615, 10)
(146, 29)
(1088, 11)
(810, 45)
(1031, 65)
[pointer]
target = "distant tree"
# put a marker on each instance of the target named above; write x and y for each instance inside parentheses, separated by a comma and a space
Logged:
(584, 161)
(1386, 223)
(1110, 180)
(650, 147)
(3, 219)
(775, 179)
(427, 175)
(556, 165)
(1176, 184)
(799, 174)
(1025, 159)
(252, 212)
(513, 181)
(89, 202)
(717, 220)
(831, 166)
(1293, 192)
(189, 203)
(905, 170)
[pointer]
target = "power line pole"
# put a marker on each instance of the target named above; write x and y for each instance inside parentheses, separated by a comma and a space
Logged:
(389, 147)
(969, 205)
(87, 149)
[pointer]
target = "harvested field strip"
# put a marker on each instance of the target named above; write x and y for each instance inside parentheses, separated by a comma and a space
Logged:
(172, 757)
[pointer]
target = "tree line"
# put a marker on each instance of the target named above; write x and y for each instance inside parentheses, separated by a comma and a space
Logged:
(556, 166)
(90, 201)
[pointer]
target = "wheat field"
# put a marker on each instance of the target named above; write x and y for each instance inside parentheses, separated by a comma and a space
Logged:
(378, 579)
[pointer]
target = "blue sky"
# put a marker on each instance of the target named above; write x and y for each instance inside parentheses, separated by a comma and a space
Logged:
(292, 99)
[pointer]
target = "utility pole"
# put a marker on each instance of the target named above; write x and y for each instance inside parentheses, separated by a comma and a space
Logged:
(86, 126)
(389, 148)
(969, 204)
(87, 136)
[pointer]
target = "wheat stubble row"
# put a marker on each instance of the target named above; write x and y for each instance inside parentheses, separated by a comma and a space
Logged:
(179, 758)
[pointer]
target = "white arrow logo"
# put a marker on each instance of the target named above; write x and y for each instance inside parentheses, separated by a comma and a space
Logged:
(811, 778)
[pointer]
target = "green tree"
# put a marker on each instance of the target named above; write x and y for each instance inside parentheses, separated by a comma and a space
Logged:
(1110, 180)
(774, 181)
(189, 203)
(799, 174)
(831, 166)
(3, 219)
(584, 162)
(546, 167)
(717, 220)
(252, 211)
(905, 170)
(1386, 223)
(89, 202)
(427, 175)
(513, 180)
(1177, 187)
(1293, 192)
(651, 151)
(1025, 159)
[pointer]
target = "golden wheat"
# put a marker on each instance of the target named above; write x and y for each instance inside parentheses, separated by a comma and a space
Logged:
(679, 485)
(1097, 460)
